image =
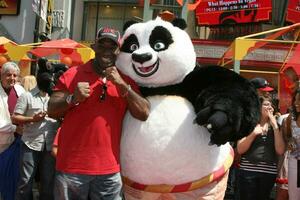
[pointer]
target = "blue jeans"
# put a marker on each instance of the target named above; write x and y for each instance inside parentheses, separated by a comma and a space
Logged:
(9, 170)
(82, 187)
(30, 161)
(255, 185)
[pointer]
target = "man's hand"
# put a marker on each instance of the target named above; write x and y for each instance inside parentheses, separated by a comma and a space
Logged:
(38, 116)
(112, 74)
(82, 91)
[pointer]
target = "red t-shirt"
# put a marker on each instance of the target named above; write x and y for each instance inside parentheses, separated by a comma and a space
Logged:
(89, 139)
(55, 141)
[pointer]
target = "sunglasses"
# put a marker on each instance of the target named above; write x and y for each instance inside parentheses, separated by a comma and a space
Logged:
(104, 90)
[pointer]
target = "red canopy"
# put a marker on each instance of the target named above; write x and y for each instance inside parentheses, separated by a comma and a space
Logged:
(63, 48)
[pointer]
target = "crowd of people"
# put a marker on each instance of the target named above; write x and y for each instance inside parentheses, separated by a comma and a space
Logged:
(80, 163)
(267, 157)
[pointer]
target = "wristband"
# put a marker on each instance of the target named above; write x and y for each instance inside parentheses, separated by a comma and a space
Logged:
(71, 100)
(127, 91)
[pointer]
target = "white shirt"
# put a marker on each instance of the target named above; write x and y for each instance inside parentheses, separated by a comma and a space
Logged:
(7, 129)
(36, 134)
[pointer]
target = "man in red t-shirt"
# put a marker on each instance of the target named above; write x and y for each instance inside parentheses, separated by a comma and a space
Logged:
(93, 99)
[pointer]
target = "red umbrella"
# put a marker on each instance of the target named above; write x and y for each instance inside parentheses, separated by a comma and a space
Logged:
(64, 48)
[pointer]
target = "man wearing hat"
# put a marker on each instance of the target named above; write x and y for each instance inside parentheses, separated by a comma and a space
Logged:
(262, 86)
(92, 99)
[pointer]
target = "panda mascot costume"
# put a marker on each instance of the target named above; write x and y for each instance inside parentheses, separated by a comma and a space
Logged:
(181, 151)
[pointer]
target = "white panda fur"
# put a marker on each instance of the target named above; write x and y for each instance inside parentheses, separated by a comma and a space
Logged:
(167, 148)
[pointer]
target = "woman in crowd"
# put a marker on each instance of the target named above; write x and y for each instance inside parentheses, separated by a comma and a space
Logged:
(282, 165)
(292, 135)
(28, 82)
(259, 150)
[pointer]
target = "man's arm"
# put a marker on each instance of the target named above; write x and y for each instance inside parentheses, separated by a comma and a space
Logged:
(21, 119)
(138, 106)
(58, 104)
(20, 108)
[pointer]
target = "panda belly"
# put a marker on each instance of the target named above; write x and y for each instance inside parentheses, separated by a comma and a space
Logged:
(168, 148)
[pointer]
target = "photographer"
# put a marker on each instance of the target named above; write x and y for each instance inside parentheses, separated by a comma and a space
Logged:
(37, 139)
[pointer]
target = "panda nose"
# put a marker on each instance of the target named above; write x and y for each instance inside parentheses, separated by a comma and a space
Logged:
(141, 58)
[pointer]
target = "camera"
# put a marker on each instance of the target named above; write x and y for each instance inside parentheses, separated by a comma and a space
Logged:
(48, 74)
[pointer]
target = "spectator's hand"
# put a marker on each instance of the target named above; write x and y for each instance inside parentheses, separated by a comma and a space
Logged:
(272, 118)
(54, 151)
(257, 130)
(20, 129)
(277, 115)
(82, 91)
(38, 116)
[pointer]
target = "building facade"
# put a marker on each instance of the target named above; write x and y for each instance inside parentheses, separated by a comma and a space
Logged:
(36, 17)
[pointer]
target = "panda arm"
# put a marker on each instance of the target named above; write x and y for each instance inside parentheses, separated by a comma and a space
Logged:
(224, 101)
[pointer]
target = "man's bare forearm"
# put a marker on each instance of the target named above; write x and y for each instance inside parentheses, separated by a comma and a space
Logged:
(21, 119)
(138, 106)
(57, 105)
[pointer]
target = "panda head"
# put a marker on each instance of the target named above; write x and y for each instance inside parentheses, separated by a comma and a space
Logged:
(156, 53)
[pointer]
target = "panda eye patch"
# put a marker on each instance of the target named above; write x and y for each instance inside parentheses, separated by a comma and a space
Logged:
(159, 46)
(160, 38)
(130, 44)
(134, 47)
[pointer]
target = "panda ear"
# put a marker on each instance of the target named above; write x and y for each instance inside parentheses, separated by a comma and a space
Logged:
(128, 23)
(180, 23)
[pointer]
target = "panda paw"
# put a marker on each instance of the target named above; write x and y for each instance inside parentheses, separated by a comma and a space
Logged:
(217, 123)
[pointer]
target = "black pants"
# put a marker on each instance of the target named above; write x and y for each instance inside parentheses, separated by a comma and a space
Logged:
(255, 185)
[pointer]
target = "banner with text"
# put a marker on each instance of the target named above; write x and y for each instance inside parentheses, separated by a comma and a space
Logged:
(293, 11)
(216, 12)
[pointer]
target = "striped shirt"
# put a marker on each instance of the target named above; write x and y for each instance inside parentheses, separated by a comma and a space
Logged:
(258, 167)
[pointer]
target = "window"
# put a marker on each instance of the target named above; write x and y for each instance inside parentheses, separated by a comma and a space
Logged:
(98, 14)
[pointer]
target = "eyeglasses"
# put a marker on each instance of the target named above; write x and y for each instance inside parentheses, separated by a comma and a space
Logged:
(104, 90)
